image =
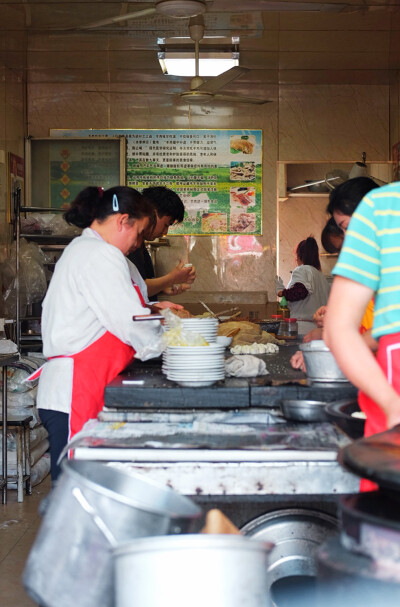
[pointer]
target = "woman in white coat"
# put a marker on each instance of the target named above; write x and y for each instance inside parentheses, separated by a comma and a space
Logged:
(308, 288)
(88, 333)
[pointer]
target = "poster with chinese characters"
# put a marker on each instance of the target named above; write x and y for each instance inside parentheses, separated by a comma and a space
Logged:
(217, 173)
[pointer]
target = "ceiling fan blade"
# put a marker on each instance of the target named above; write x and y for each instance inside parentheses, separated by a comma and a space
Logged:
(277, 6)
(214, 84)
(118, 19)
(241, 99)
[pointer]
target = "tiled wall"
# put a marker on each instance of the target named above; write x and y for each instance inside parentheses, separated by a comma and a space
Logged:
(304, 123)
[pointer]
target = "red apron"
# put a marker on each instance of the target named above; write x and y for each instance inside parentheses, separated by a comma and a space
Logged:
(94, 368)
(388, 358)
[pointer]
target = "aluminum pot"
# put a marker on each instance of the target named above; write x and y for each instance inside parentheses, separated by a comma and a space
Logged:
(297, 533)
(196, 570)
(320, 363)
(71, 560)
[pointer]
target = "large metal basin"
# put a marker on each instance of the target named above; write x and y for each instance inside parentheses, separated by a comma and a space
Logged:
(321, 365)
(71, 561)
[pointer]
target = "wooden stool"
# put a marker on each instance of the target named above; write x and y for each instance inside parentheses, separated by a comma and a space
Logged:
(20, 427)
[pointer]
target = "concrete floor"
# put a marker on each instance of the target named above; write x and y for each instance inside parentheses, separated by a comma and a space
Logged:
(18, 526)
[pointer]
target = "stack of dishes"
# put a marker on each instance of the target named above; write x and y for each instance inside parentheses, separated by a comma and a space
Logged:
(207, 327)
(194, 366)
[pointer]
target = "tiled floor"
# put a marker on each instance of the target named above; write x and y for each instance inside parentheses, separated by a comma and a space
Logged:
(18, 526)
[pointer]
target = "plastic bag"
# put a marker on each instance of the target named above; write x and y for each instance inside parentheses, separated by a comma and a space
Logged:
(177, 335)
(32, 277)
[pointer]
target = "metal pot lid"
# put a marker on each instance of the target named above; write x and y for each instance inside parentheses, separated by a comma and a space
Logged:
(376, 458)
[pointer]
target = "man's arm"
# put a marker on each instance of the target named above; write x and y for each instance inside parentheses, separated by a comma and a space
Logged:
(177, 275)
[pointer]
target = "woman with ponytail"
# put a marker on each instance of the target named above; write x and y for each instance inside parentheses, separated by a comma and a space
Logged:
(88, 333)
(308, 288)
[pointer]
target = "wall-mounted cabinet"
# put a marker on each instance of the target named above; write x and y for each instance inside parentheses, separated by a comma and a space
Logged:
(302, 213)
(298, 175)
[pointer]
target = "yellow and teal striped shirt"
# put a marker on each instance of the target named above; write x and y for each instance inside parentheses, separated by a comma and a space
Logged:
(371, 254)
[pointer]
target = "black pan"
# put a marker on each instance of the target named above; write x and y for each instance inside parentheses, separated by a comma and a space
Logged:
(340, 413)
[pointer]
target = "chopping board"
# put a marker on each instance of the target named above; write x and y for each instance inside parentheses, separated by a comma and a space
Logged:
(376, 458)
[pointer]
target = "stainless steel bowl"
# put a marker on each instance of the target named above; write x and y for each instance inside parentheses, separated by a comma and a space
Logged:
(304, 410)
(320, 363)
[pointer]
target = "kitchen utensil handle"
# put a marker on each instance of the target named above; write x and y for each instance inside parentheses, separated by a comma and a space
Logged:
(139, 317)
(208, 309)
(98, 521)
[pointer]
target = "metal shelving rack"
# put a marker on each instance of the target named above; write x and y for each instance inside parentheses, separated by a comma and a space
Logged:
(46, 242)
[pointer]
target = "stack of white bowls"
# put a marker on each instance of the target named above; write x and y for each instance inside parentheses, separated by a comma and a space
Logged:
(207, 327)
(194, 366)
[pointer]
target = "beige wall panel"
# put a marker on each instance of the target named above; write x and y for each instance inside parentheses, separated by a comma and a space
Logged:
(347, 41)
(333, 122)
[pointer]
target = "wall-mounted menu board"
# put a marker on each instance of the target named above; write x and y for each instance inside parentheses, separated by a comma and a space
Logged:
(217, 173)
(61, 168)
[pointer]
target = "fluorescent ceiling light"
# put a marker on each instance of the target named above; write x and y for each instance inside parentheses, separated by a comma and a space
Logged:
(211, 63)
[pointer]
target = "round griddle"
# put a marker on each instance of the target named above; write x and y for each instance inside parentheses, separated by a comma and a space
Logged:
(376, 458)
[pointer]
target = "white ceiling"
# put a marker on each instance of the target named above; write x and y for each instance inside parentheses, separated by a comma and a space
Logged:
(348, 41)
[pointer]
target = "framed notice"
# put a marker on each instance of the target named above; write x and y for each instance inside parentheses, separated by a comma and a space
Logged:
(16, 183)
(60, 168)
(217, 173)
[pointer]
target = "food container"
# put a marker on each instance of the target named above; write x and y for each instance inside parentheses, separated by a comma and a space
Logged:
(193, 570)
(320, 363)
(292, 327)
(304, 410)
(271, 325)
(283, 331)
(70, 562)
(345, 415)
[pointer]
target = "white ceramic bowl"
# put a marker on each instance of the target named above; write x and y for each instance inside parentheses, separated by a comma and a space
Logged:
(224, 341)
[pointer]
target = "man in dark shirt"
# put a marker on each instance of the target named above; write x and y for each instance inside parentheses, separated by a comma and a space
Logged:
(169, 210)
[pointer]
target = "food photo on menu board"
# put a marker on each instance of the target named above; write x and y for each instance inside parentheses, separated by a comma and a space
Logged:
(216, 172)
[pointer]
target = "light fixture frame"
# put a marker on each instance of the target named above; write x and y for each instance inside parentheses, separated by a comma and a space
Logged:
(212, 50)
(208, 59)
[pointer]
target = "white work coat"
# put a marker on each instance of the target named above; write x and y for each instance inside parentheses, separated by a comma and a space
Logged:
(318, 292)
(90, 293)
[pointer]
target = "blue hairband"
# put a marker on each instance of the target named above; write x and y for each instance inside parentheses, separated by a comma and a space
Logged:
(115, 204)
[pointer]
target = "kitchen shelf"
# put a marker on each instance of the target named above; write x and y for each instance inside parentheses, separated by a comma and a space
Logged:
(47, 242)
(41, 210)
(45, 239)
(307, 195)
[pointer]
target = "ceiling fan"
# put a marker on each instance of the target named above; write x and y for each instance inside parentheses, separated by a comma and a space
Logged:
(205, 91)
(180, 9)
